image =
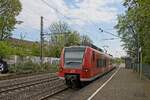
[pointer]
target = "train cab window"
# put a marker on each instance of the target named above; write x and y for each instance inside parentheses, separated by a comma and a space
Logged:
(73, 57)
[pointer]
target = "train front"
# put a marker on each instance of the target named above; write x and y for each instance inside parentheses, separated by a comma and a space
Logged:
(71, 63)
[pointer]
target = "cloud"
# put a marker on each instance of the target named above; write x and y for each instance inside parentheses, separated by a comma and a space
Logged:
(79, 14)
(97, 11)
(85, 10)
(32, 11)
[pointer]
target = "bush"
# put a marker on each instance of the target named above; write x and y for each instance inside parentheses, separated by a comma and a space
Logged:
(30, 67)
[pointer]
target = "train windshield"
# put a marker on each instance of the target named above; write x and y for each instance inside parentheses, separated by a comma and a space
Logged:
(73, 57)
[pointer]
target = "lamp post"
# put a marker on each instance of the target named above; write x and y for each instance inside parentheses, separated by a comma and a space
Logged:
(139, 50)
(140, 54)
(109, 33)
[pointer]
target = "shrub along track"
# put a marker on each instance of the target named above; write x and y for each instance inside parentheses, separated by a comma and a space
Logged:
(28, 88)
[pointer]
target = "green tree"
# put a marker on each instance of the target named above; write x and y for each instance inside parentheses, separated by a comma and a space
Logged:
(9, 9)
(55, 50)
(35, 49)
(5, 49)
(73, 38)
(128, 35)
(134, 29)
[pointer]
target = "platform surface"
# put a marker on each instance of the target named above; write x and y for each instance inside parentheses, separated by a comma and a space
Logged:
(125, 85)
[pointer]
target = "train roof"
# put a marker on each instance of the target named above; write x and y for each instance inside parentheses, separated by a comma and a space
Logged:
(92, 46)
(95, 47)
(87, 45)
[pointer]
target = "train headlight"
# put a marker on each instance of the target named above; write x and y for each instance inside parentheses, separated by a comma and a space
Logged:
(85, 70)
(60, 69)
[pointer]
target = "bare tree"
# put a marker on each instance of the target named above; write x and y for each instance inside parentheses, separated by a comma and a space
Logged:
(85, 39)
(59, 28)
(60, 32)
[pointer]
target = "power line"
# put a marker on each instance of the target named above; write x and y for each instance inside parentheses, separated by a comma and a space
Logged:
(69, 18)
(57, 11)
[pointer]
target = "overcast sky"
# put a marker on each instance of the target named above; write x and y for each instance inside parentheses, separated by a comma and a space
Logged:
(85, 16)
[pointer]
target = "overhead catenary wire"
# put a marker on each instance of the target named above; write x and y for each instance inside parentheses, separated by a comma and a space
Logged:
(66, 17)
(57, 11)
(60, 13)
(71, 19)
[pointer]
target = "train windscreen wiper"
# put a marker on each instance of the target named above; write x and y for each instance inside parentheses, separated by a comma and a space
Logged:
(68, 62)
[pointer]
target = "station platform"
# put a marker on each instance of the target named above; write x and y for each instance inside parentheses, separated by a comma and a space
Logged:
(124, 85)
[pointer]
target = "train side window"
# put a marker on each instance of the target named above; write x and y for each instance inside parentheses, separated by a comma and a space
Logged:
(93, 56)
(97, 63)
(111, 61)
(105, 63)
(101, 62)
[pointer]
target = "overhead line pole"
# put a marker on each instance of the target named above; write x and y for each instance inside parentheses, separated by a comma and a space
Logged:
(41, 40)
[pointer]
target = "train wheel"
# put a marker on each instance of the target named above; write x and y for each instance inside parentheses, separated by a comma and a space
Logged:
(68, 83)
(76, 84)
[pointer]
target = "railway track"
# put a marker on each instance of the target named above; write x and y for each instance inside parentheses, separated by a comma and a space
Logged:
(17, 81)
(57, 94)
(66, 93)
(28, 89)
(50, 89)
(40, 87)
(25, 84)
(60, 94)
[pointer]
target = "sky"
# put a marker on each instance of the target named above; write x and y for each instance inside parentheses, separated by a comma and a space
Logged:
(84, 16)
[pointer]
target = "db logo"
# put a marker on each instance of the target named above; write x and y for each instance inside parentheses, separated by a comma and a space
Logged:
(72, 71)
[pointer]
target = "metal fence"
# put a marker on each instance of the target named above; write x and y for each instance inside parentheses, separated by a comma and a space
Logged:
(143, 68)
(135, 67)
(146, 70)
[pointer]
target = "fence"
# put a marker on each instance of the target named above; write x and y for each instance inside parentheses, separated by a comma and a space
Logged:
(145, 69)
(17, 59)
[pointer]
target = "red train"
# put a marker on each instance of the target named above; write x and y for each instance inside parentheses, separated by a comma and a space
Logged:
(80, 64)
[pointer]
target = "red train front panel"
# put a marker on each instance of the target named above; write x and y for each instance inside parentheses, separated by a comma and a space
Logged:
(73, 62)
